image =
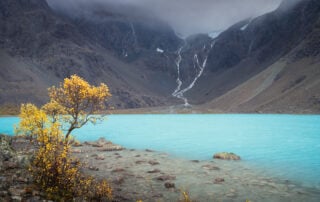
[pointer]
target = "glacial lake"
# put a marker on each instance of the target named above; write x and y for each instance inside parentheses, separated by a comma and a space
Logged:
(282, 146)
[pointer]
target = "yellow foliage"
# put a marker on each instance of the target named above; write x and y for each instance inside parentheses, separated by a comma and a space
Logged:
(79, 100)
(57, 173)
(33, 121)
(185, 197)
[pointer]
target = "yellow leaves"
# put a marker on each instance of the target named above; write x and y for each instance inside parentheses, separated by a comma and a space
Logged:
(78, 99)
(33, 120)
(53, 168)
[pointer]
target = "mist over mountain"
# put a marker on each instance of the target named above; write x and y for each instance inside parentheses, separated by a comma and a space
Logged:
(186, 17)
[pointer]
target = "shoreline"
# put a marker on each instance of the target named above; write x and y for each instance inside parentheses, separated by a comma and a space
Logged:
(156, 176)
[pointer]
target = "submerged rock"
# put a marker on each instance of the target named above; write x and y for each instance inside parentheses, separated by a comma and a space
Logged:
(166, 177)
(226, 156)
(169, 185)
(218, 180)
(154, 171)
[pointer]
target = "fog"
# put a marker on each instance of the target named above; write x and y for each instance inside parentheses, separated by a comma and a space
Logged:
(185, 16)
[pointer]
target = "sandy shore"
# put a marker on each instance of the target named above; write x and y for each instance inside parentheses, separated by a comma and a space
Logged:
(155, 176)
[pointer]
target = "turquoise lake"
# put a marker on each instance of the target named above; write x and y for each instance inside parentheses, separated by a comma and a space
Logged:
(283, 146)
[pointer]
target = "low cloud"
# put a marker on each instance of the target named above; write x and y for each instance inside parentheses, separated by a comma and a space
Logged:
(185, 16)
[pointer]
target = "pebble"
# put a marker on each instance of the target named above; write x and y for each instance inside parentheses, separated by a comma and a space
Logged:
(154, 171)
(218, 180)
(152, 162)
(166, 177)
(169, 185)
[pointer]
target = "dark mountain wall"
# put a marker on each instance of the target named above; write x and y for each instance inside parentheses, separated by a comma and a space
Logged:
(42, 47)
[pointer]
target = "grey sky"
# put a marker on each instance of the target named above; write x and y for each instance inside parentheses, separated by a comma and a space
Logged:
(185, 16)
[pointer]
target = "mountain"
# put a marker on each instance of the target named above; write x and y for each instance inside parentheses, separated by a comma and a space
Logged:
(270, 63)
(39, 47)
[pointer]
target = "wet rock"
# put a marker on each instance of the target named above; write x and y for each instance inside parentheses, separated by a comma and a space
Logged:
(169, 185)
(93, 168)
(195, 161)
(140, 161)
(157, 195)
(77, 144)
(166, 178)
(154, 171)
(210, 167)
(118, 170)
(100, 157)
(218, 180)
(137, 156)
(111, 147)
(149, 150)
(16, 198)
(226, 156)
(76, 150)
(152, 162)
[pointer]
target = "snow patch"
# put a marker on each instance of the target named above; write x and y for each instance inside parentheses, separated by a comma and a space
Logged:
(159, 50)
(214, 34)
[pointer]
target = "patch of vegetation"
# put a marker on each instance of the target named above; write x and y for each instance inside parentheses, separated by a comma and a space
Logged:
(71, 106)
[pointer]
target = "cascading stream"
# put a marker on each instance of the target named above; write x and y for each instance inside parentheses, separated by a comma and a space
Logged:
(178, 93)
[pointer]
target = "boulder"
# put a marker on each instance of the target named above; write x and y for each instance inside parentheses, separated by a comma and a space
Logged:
(226, 156)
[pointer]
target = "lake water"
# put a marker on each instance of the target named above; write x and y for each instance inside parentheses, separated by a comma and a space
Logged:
(282, 146)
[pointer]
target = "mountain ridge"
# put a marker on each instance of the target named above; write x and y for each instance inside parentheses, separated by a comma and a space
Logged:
(243, 69)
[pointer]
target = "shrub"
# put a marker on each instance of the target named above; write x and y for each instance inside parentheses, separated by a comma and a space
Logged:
(53, 169)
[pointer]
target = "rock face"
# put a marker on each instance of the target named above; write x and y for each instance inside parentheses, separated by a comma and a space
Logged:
(226, 156)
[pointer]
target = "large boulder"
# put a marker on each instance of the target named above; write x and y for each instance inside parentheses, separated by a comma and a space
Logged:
(226, 156)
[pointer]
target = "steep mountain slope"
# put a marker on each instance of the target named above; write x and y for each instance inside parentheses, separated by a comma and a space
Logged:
(266, 64)
(40, 47)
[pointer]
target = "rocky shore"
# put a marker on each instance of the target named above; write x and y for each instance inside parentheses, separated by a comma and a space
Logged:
(150, 176)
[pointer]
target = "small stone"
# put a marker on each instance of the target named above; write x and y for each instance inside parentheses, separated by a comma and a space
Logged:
(140, 161)
(93, 168)
(151, 162)
(169, 185)
(166, 177)
(118, 170)
(157, 195)
(218, 180)
(210, 167)
(154, 171)
(149, 150)
(100, 157)
(76, 151)
(137, 156)
(195, 161)
(16, 198)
